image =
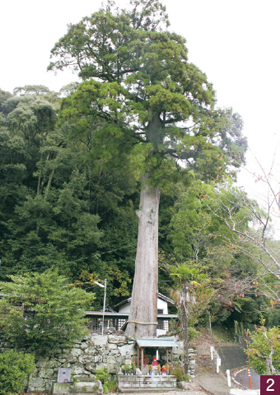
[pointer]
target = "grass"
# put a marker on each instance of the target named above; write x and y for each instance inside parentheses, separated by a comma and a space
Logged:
(223, 334)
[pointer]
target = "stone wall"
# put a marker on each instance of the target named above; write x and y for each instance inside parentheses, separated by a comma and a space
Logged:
(85, 357)
(93, 352)
(145, 382)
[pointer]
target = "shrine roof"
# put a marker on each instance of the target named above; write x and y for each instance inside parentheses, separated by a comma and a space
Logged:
(156, 342)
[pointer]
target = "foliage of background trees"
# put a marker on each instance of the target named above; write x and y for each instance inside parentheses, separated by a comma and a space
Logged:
(71, 170)
(264, 350)
(58, 209)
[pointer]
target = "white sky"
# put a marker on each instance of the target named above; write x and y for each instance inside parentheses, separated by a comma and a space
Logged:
(236, 43)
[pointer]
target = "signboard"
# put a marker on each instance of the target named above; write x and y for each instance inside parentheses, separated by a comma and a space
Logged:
(270, 385)
(64, 375)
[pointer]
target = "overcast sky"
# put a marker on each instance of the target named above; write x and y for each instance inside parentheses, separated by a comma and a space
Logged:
(236, 43)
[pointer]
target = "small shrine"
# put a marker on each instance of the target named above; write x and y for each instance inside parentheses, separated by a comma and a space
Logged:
(151, 376)
(158, 344)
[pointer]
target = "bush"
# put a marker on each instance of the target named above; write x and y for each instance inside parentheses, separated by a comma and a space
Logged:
(112, 386)
(178, 371)
(43, 311)
(14, 369)
(103, 376)
(192, 333)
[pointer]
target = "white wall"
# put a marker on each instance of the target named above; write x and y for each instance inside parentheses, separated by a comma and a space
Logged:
(125, 308)
(161, 305)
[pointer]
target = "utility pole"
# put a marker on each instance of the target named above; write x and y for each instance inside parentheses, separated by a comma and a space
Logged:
(104, 303)
(104, 300)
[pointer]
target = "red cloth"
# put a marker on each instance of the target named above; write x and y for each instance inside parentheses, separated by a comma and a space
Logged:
(154, 363)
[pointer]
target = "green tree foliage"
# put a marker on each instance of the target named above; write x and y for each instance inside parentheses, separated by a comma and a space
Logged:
(188, 279)
(142, 103)
(69, 190)
(147, 83)
(57, 201)
(198, 234)
(246, 229)
(264, 350)
(43, 311)
(14, 369)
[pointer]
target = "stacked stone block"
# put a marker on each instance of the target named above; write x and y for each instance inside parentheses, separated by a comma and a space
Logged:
(85, 357)
(145, 382)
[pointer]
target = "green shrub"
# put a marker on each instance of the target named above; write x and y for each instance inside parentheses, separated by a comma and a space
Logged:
(192, 333)
(178, 371)
(102, 375)
(112, 386)
(125, 367)
(14, 369)
(42, 311)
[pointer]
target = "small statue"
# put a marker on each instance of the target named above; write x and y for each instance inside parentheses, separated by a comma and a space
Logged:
(159, 369)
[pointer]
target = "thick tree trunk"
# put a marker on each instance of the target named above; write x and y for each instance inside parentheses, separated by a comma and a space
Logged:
(184, 317)
(143, 312)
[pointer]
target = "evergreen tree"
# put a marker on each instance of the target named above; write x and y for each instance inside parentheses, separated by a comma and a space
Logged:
(152, 108)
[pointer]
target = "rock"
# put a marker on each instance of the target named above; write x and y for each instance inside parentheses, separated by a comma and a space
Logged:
(53, 364)
(91, 367)
(114, 352)
(112, 346)
(37, 383)
(61, 360)
(90, 351)
(46, 373)
(78, 368)
(111, 360)
(84, 346)
(92, 386)
(117, 339)
(76, 352)
(183, 385)
(99, 340)
(98, 358)
(127, 348)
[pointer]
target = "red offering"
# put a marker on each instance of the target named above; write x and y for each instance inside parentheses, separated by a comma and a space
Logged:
(163, 370)
(154, 363)
(270, 385)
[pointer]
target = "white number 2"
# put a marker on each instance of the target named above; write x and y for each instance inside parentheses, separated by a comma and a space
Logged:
(272, 383)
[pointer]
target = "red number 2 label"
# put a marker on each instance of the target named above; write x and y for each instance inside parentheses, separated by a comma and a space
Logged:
(270, 385)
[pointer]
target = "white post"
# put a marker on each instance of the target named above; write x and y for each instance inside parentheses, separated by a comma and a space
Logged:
(218, 364)
(228, 378)
(104, 301)
(211, 352)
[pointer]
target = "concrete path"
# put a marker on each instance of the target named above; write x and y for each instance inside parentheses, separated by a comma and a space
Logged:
(212, 382)
(232, 356)
(242, 378)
